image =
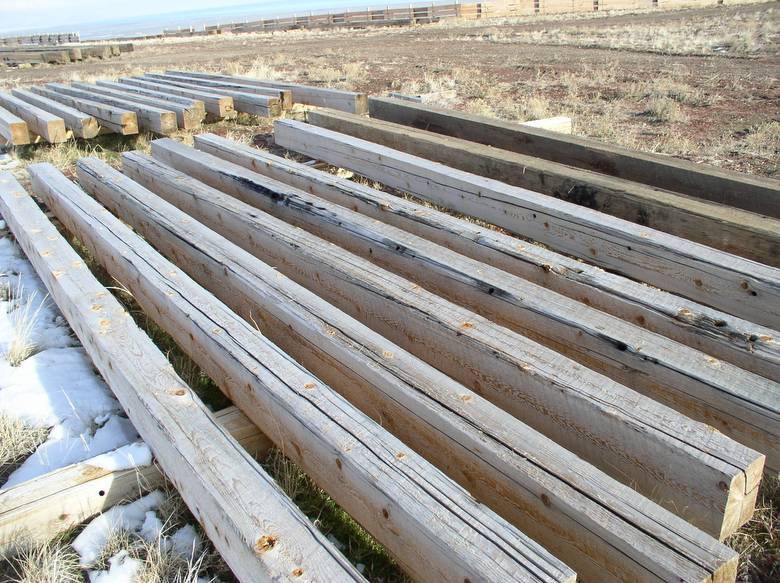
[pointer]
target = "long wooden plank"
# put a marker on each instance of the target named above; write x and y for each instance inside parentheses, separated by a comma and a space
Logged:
(261, 105)
(81, 124)
(218, 106)
(751, 193)
(433, 527)
(349, 101)
(118, 120)
(188, 118)
(150, 118)
(729, 229)
(39, 510)
(13, 129)
(727, 337)
(743, 405)
(523, 377)
(285, 95)
(732, 284)
(195, 104)
(473, 441)
(44, 124)
(238, 504)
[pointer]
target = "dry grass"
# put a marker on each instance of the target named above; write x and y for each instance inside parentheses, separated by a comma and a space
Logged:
(24, 315)
(17, 441)
(53, 562)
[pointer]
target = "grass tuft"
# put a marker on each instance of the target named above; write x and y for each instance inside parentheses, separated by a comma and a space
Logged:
(17, 441)
(53, 562)
(24, 318)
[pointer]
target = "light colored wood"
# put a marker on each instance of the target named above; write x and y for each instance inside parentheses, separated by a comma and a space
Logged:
(81, 124)
(727, 337)
(188, 118)
(261, 105)
(732, 284)
(740, 404)
(349, 101)
(218, 106)
(560, 124)
(550, 392)
(751, 193)
(40, 509)
(150, 118)
(195, 104)
(114, 119)
(13, 128)
(238, 504)
(44, 124)
(285, 95)
(433, 527)
(729, 229)
(476, 443)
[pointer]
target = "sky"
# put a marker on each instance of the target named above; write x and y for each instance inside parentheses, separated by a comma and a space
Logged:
(64, 15)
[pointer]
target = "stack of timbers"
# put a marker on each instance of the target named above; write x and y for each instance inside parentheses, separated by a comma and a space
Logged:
(410, 360)
(59, 54)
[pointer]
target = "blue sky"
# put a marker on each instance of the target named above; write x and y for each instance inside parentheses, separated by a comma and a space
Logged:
(63, 15)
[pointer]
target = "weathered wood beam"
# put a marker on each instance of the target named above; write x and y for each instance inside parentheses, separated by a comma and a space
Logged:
(81, 124)
(550, 392)
(285, 95)
(733, 230)
(218, 106)
(349, 101)
(150, 118)
(742, 405)
(13, 129)
(40, 509)
(42, 123)
(732, 284)
(433, 527)
(261, 105)
(473, 441)
(238, 504)
(751, 193)
(118, 120)
(188, 118)
(195, 104)
(727, 337)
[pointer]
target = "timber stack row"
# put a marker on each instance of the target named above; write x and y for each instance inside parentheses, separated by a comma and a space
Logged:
(32, 54)
(571, 395)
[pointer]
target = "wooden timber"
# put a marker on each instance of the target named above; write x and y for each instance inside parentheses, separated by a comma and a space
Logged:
(476, 443)
(150, 118)
(236, 502)
(115, 119)
(727, 337)
(218, 106)
(193, 104)
(13, 129)
(434, 528)
(349, 101)
(40, 509)
(559, 124)
(81, 124)
(284, 95)
(42, 123)
(261, 105)
(732, 284)
(751, 193)
(187, 118)
(519, 375)
(742, 405)
(733, 230)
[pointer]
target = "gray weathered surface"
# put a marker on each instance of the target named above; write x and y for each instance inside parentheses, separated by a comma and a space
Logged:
(217, 106)
(727, 228)
(13, 129)
(752, 193)
(81, 124)
(116, 119)
(434, 528)
(604, 530)
(228, 492)
(42, 123)
(715, 278)
(284, 95)
(727, 337)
